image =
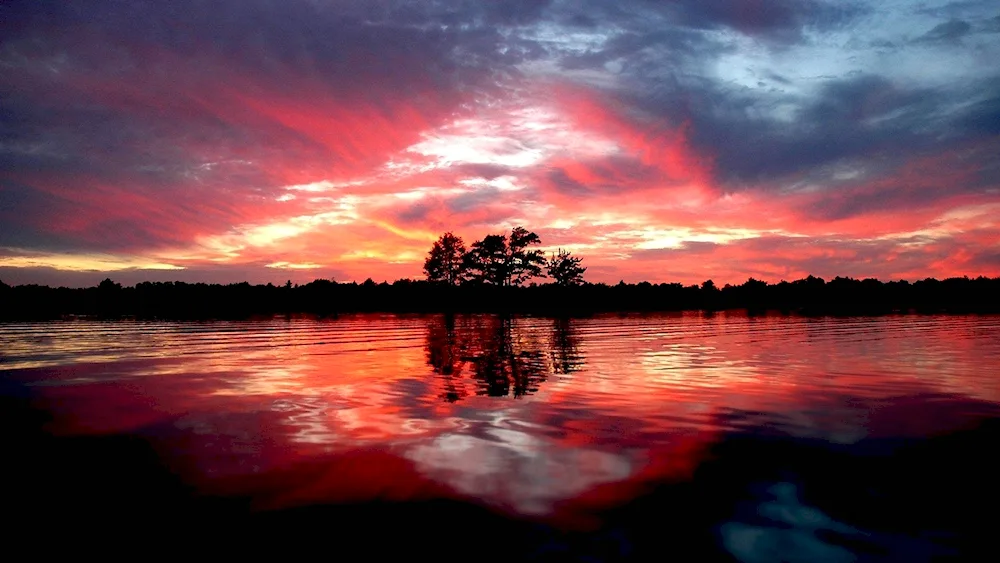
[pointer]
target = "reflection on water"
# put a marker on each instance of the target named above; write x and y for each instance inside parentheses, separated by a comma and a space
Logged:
(504, 356)
(541, 417)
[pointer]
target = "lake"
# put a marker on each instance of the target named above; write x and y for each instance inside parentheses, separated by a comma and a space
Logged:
(721, 436)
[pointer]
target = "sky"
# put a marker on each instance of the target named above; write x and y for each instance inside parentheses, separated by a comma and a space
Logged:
(273, 140)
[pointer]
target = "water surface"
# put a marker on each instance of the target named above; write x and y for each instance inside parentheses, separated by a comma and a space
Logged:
(560, 422)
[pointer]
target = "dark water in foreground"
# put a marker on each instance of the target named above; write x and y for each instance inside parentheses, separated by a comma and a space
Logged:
(686, 438)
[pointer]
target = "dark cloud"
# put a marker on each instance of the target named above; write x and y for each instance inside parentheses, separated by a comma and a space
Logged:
(949, 31)
(415, 213)
(912, 185)
(853, 118)
(487, 171)
(779, 20)
(987, 260)
(665, 39)
(558, 179)
(983, 116)
(860, 100)
(660, 39)
(474, 200)
(648, 51)
(20, 207)
(884, 198)
(784, 19)
(957, 9)
(515, 12)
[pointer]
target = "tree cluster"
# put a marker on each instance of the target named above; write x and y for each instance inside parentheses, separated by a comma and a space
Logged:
(499, 260)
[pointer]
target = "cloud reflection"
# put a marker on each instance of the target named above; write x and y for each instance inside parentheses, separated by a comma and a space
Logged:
(532, 414)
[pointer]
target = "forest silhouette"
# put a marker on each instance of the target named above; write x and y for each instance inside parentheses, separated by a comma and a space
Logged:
(496, 275)
(324, 298)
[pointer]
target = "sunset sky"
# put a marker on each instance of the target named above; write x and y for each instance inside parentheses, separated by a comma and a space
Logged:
(678, 140)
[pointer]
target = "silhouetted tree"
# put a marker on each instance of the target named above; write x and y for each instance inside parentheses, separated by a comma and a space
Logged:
(446, 260)
(107, 286)
(486, 260)
(5, 292)
(523, 264)
(502, 261)
(109, 302)
(565, 269)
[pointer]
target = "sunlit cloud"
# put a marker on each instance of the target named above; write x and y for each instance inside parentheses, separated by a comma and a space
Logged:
(293, 266)
(83, 262)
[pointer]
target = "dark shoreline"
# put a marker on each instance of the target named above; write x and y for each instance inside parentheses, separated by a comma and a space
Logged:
(323, 298)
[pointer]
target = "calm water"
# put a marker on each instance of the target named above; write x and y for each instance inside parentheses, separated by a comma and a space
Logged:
(796, 435)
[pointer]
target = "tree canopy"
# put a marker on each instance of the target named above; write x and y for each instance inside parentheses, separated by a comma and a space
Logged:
(445, 261)
(523, 264)
(565, 269)
(486, 261)
(496, 259)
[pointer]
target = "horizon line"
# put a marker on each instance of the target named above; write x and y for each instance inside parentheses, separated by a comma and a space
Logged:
(526, 285)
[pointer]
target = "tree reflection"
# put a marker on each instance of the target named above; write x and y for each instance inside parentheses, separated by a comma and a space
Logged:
(445, 349)
(508, 361)
(566, 357)
(499, 356)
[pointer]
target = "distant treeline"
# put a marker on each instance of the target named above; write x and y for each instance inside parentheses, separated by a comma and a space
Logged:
(178, 300)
